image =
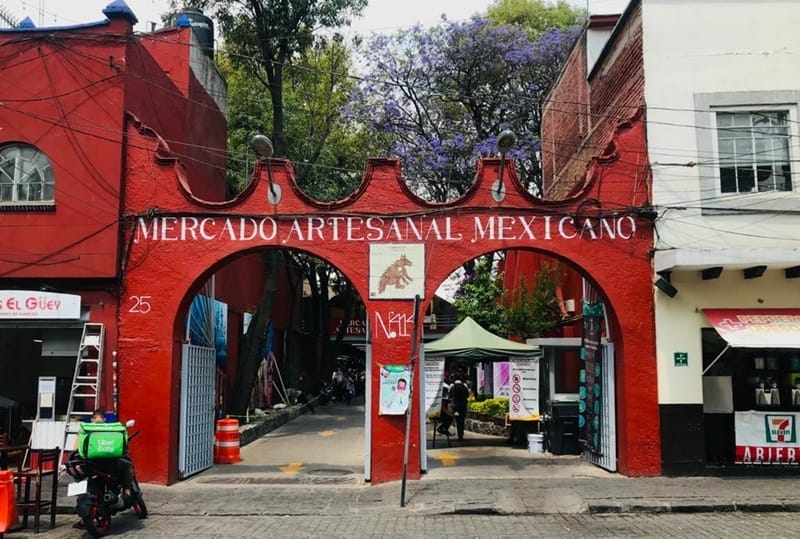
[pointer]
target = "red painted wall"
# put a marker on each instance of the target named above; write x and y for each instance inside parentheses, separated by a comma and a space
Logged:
(190, 248)
(608, 97)
(79, 85)
(69, 107)
(199, 132)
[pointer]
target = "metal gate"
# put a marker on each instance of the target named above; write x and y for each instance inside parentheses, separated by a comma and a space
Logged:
(606, 457)
(196, 438)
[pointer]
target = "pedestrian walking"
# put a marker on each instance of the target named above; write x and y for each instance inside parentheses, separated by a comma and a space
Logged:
(459, 394)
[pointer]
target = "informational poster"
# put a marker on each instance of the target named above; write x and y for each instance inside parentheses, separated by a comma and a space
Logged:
(434, 376)
(523, 400)
(501, 372)
(766, 438)
(395, 388)
(396, 270)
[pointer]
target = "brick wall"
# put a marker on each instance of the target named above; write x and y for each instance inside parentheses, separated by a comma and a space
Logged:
(580, 115)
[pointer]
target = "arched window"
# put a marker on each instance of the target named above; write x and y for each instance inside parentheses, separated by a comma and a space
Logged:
(26, 175)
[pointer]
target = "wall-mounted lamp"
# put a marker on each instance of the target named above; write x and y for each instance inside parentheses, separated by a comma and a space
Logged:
(263, 147)
(792, 273)
(665, 286)
(505, 142)
(711, 273)
(754, 272)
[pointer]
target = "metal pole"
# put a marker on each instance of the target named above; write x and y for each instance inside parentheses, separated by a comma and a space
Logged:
(716, 359)
(414, 351)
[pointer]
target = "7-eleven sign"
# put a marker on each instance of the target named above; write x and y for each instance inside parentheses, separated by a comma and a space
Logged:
(780, 429)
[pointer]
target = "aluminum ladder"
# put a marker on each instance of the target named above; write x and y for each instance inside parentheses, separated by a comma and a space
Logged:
(84, 396)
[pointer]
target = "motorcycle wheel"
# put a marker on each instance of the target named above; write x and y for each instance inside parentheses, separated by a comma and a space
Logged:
(98, 522)
(139, 507)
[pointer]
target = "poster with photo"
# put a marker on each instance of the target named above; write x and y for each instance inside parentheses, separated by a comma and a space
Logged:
(395, 388)
(396, 271)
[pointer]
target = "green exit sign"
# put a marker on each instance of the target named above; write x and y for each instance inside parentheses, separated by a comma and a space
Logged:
(681, 359)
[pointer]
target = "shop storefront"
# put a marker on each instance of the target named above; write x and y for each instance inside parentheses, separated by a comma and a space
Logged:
(40, 334)
(751, 387)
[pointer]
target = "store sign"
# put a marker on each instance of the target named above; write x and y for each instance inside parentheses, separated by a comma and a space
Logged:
(379, 229)
(31, 304)
(757, 328)
(767, 438)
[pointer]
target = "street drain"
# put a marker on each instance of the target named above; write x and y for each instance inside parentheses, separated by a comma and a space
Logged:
(329, 472)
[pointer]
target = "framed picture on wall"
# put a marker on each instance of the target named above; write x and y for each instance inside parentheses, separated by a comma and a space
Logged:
(396, 270)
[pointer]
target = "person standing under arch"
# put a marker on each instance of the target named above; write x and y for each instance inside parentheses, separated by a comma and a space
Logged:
(459, 394)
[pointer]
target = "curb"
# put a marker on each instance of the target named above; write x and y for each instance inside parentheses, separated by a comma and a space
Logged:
(677, 506)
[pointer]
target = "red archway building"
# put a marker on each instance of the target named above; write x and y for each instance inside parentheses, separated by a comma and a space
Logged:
(176, 240)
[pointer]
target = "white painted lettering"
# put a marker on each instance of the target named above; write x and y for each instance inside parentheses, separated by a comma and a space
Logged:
(433, 228)
(607, 229)
(142, 231)
(262, 232)
(481, 232)
(626, 232)
(375, 227)
(563, 233)
(412, 226)
(207, 222)
(505, 225)
(354, 229)
(547, 235)
(394, 228)
(189, 228)
(315, 228)
(587, 226)
(527, 231)
(448, 232)
(168, 229)
(334, 221)
(227, 228)
(294, 230)
(243, 234)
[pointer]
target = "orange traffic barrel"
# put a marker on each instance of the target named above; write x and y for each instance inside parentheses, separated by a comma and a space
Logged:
(8, 504)
(226, 441)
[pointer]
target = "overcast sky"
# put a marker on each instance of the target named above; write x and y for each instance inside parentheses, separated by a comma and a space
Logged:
(380, 16)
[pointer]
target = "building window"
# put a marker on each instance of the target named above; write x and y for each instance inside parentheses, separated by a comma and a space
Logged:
(753, 151)
(26, 175)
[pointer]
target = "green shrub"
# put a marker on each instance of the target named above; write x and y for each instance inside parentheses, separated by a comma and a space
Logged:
(495, 407)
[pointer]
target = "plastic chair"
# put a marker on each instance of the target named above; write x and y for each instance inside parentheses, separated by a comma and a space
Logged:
(44, 463)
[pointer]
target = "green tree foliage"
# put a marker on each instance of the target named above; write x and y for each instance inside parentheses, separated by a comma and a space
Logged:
(535, 16)
(530, 310)
(480, 295)
(328, 155)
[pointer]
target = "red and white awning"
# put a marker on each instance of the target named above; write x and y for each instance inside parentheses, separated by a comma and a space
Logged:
(757, 328)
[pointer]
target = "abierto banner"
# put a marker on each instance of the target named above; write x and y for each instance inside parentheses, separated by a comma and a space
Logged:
(766, 438)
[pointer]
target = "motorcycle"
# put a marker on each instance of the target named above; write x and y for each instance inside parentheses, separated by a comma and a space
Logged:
(99, 491)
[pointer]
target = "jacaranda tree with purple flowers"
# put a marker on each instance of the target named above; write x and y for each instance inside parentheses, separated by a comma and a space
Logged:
(437, 98)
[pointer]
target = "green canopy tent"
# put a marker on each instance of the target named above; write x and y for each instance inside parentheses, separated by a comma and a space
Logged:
(469, 340)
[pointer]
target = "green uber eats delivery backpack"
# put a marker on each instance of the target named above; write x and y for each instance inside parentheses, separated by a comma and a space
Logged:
(102, 440)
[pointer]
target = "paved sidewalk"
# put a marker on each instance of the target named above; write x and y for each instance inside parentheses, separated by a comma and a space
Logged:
(566, 491)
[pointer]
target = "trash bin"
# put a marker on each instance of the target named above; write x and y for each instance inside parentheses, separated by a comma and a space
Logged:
(8, 505)
(563, 427)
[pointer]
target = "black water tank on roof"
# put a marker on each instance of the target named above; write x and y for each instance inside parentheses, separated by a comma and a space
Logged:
(202, 26)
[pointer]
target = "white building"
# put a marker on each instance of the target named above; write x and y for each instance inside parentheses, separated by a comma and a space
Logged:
(722, 92)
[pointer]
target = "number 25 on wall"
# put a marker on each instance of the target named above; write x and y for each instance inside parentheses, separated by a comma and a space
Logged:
(141, 304)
